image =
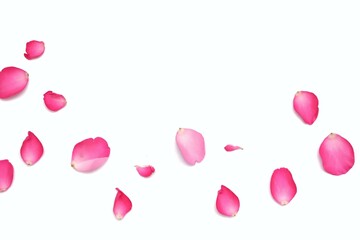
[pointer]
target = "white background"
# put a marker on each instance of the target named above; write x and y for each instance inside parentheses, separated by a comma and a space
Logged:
(133, 72)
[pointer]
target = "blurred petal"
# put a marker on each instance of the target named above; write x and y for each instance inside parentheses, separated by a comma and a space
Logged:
(122, 205)
(230, 148)
(191, 145)
(54, 101)
(6, 175)
(227, 203)
(282, 186)
(31, 150)
(34, 49)
(13, 80)
(306, 106)
(145, 171)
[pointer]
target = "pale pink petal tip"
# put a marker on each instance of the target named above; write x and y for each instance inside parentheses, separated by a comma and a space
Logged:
(31, 149)
(230, 148)
(53, 101)
(191, 145)
(90, 154)
(145, 171)
(306, 105)
(122, 205)
(227, 203)
(34, 49)
(282, 186)
(337, 154)
(13, 81)
(6, 175)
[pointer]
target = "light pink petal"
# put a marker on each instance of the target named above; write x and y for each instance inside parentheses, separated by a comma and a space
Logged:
(191, 145)
(54, 101)
(90, 154)
(122, 205)
(230, 148)
(31, 149)
(337, 154)
(227, 203)
(6, 175)
(306, 105)
(282, 186)
(34, 49)
(13, 80)
(145, 171)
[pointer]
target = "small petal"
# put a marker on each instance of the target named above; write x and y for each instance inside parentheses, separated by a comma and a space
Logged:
(145, 171)
(90, 154)
(306, 105)
(13, 80)
(122, 205)
(31, 149)
(191, 145)
(282, 186)
(6, 175)
(230, 148)
(34, 49)
(227, 203)
(337, 154)
(54, 101)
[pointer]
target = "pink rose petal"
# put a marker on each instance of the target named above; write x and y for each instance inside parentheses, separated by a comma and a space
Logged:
(191, 145)
(13, 80)
(282, 186)
(337, 154)
(90, 154)
(34, 49)
(145, 171)
(227, 203)
(306, 106)
(6, 175)
(54, 101)
(230, 148)
(31, 149)
(122, 205)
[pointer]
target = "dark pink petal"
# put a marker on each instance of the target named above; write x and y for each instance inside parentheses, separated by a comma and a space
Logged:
(337, 154)
(145, 171)
(13, 80)
(282, 186)
(191, 145)
(34, 49)
(31, 149)
(227, 203)
(90, 154)
(230, 148)
(122, 205)
(6, 175)
(306, 105)
(54, 101)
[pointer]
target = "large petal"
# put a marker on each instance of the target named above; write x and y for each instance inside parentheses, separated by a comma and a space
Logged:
(6, 175)
(282, 186)
(306, 105)
(34, 49)
(54, 101)
(227, 203)
(191, 145)
(145, 171)
(31, 149)
(13, 80)
(122, 205)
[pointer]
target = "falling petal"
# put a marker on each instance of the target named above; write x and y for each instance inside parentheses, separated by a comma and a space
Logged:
(191, 145)
(122, 205)
(13, 80)
(230, 148)
(306, 105)
(337, 154)
(6, 175)
(34, 49)
(54, 101)
(90, 154)
(145, 171)
(227, 203)
(282, 186)
(31, 150)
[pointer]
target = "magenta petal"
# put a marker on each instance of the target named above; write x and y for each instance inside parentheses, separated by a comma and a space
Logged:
(34, 49)
(90, 154)
(54, 101)
(6, 175)
(13, 80)
(282, 186)
(31, 149)
(306, 106)
(230, 148)
(122, 205)
(145, 171)
(337, 154)
(191, 145)
(227, 203)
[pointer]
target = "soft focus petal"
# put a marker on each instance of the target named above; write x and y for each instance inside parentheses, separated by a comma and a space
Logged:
(227, 203)
(6, 175)
(145, 171)
(306, 106)
(337, 154)
(13, 80)
(54, 101)
(31, 150)
(282, 186)
(122, 205)
(191, 145)
(230, 148)
(34, 49)
(90, 154)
